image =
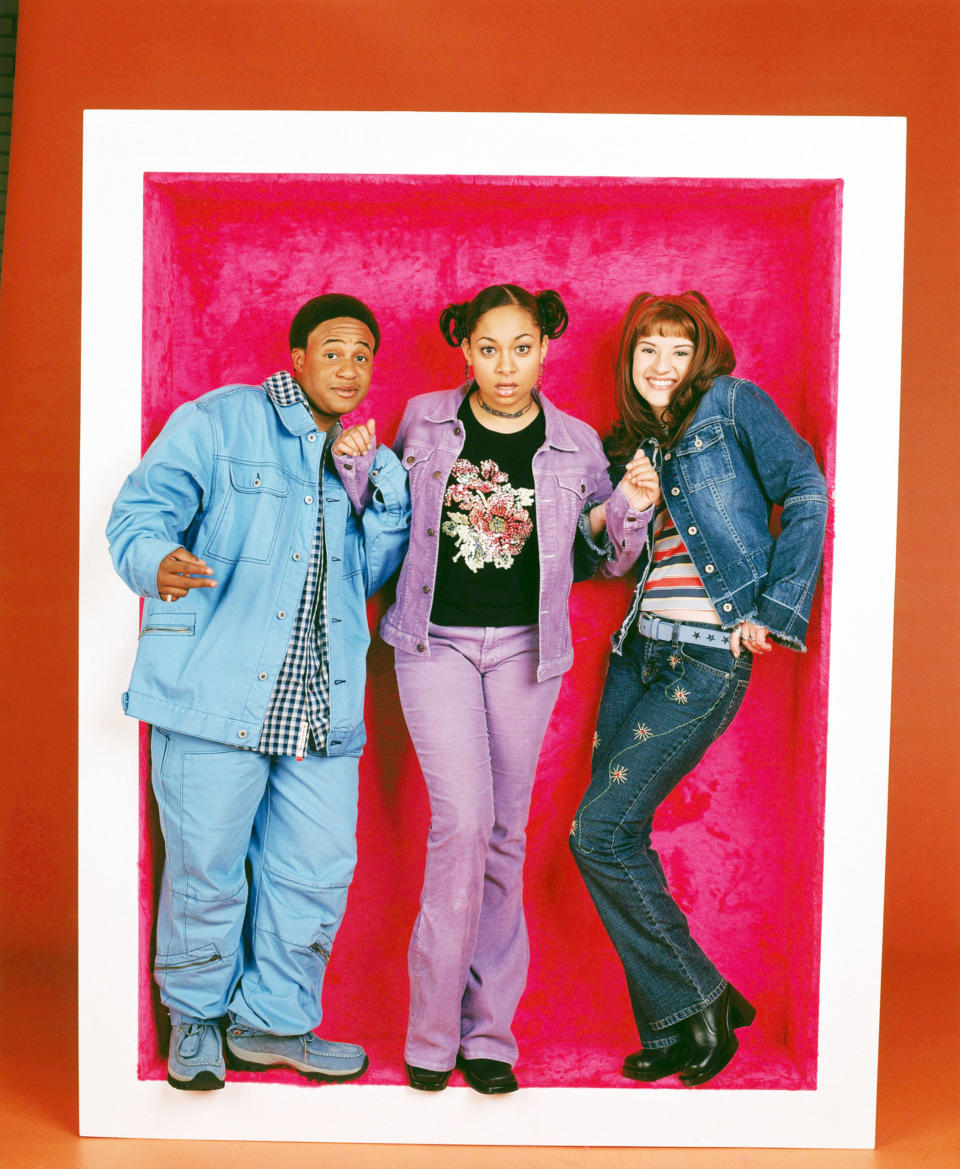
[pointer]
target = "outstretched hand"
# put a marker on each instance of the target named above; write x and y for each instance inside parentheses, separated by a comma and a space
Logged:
(180, 572)
(640, 482)
(357, 440)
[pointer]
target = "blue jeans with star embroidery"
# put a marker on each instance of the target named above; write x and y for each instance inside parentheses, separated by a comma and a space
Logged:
(663, 704)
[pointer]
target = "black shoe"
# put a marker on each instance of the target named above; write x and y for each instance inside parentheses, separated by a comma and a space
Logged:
(655, 1063)
(426, 1079)
(492, 1077)
(709, 1038)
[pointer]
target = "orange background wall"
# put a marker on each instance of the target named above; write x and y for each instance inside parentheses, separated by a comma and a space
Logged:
(882, 57)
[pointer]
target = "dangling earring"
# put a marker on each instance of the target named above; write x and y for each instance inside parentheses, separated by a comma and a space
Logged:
(467, 376)
(539, 386)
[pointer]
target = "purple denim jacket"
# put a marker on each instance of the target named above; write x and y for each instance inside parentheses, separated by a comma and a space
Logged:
(569, 475)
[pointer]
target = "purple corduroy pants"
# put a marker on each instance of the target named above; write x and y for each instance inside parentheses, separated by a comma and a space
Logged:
(477, 716)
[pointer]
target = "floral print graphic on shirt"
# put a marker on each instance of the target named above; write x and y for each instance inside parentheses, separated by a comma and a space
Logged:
(491, 523)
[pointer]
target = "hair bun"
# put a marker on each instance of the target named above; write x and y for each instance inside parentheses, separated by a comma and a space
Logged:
(552, 312)
(453, 323)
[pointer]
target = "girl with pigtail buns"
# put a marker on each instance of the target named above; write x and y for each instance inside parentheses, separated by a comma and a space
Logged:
(502, 484)
(714, 589)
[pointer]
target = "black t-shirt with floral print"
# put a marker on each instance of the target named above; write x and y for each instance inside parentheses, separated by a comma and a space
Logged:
(488, 571)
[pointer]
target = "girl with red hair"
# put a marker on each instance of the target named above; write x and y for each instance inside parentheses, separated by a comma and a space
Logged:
(714, 589)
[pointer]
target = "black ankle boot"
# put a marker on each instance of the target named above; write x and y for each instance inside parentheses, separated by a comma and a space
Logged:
(654, 1064)
(709, 1038)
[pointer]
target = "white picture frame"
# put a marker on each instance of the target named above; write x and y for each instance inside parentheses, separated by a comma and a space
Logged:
(868, 154)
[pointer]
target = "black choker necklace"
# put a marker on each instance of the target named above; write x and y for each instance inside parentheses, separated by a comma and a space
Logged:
(502, 413)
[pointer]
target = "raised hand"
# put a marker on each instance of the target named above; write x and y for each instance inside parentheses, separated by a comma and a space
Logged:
(640, 483)
(357, 440)
(180, 572)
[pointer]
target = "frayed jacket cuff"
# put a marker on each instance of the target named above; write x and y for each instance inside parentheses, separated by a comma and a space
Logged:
(598, 545)
(784, 625)
(589, 551)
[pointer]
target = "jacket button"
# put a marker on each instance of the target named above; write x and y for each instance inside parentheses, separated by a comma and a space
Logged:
(674, 490)
(727, 607)
(296, 556)
(409, 459)
(708, 568)
(419, 649)
(698, 443)
(667, 457)
(456, 431)
(282, 614)
(692, 530)
(308, 499)
(241, 734)
(262, 677)
(431, 532)
(373, 474)
(256, 482)
(311, 438)
(436, 474)
(426, 588)
(348, 466)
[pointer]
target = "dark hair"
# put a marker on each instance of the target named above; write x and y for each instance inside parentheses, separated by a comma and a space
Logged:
(546, 309)
(325, 308)
(687, 315)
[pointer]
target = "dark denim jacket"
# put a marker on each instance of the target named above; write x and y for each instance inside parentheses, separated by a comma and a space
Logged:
(569, 474)
(738, 458)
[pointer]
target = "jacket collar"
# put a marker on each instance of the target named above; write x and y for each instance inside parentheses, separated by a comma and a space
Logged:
(292, 406)
(558, 435)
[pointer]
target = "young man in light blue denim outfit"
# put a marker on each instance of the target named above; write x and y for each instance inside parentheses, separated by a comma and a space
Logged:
(255, 529)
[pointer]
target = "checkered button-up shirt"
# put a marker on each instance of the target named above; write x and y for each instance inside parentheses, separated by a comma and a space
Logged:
(298, 714)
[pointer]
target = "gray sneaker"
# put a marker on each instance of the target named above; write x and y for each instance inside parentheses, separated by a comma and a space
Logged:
(196, 1056)
(317, 1059)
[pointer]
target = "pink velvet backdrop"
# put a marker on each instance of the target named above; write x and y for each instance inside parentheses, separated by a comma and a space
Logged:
(229, 259)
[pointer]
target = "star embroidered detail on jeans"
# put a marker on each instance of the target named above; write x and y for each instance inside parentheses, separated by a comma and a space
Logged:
(678, 694)
(596, 740)
(674, 660)
(619, 775)
(641, 732)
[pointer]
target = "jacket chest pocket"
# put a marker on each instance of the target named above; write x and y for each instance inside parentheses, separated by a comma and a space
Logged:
(703, 457)
(415, 461)
(572, 490)
(248, 522)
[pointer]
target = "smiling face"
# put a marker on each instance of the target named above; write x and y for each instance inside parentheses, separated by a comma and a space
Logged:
(659, 366)
(334, 370)
(505, 350)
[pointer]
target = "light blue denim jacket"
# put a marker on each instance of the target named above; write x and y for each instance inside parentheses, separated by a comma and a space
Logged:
(233, 478)
(569, 474)
(738, 457)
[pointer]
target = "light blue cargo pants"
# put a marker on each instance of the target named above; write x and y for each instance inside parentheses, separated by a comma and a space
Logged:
(251, 939)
